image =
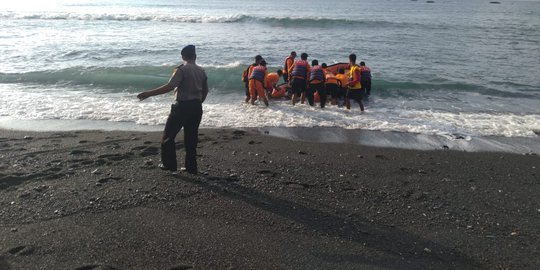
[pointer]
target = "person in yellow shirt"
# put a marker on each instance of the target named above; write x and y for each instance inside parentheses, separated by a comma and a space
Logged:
(355, 91)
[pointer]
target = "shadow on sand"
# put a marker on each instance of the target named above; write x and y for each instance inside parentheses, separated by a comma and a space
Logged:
(400, 249)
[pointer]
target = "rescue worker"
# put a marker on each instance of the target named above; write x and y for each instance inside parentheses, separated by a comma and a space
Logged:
(298, 78)
(355, 91)
(247, 73)
(287, 66)
(257, 81)
(316, 83)
(365, 73)
(332, 84)
(272, 80)
(343, 82)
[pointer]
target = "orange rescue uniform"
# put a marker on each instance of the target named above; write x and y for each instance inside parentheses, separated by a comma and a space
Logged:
(271, 79)
(257, 81)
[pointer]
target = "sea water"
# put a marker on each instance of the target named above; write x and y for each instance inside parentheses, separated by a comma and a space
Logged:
(460, 69)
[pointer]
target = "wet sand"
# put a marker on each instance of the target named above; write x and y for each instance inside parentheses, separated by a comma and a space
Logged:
(97, 200)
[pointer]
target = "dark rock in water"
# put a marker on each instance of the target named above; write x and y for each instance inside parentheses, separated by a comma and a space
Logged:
(430, 2)
(446, 147)
(494, 2)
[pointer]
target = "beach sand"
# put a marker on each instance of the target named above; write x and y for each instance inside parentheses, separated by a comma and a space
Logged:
(97, 200)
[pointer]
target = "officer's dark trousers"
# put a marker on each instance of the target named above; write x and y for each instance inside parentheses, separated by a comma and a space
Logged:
(187, 115)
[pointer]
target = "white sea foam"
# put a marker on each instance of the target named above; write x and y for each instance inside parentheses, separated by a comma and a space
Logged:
(228, 65)
(224, 112)
(111, 16)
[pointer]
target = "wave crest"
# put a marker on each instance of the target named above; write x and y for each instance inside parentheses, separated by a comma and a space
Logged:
(124, 17)
(239, 18)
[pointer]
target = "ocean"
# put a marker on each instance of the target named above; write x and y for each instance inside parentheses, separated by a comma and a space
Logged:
(457, 69)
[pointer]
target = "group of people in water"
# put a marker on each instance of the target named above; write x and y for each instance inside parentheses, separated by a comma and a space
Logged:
(316, 82)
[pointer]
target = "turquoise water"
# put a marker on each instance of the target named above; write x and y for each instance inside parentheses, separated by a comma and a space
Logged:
(459, 69)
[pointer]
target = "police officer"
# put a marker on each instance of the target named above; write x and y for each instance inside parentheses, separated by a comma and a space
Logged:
(189, 82)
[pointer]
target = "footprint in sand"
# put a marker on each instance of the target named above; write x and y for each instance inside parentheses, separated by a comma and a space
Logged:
(239, 132)
(182, 267)
(149, 151)
(21, 250)
(96, 267)
(4, 265)
(80, 152)
(116, 157)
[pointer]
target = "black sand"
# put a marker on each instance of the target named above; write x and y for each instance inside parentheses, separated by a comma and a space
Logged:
(96, 200)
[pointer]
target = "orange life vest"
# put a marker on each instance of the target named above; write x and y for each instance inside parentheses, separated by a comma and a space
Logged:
(287, 66)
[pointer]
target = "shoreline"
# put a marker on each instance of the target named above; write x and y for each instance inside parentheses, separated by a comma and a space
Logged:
(90, 199)
(375, 138)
